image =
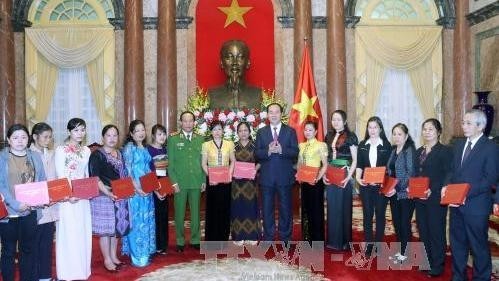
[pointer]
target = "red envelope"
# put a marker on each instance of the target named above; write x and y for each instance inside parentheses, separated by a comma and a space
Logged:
(374, 175)
(123, 188)
(33, 193)
(455, 194)
(149, 182)
(59, 189)
(307, 174)
(335, 175)
(166, 187)
(418, 186)
(219, 174)
(244, 170)
(85, 188)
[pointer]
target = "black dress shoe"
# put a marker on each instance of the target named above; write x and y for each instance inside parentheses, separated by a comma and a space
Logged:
(195, 246)
(180, 249)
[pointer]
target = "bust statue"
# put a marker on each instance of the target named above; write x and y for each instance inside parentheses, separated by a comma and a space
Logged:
(235, 93)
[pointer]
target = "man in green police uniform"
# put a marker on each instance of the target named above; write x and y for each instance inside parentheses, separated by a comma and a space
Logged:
(185, 172)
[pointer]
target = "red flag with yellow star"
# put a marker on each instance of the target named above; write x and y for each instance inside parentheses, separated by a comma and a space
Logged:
(306, 103)
(217, 21)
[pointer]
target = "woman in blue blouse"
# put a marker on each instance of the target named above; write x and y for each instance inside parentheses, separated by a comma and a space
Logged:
(140, 242)
(401, 165)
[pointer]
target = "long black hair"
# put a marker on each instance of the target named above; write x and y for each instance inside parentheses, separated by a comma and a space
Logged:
(343, 115)
(409, 142)
(382, 134)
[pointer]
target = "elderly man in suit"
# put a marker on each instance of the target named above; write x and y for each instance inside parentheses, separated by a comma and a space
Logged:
(475, 162)
(276, 151)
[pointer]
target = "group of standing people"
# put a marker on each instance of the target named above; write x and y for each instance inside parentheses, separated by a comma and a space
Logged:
(31, 229)
(232, 209)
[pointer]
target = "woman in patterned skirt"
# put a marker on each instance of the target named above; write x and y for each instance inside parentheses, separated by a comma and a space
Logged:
(109, 216)
(244, 204)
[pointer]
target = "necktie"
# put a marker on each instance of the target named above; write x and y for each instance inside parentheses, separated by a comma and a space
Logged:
(189, 137)
(275, 134)
(466, 152)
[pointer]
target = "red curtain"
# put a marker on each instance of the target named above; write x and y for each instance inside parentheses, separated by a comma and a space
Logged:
(258, 34)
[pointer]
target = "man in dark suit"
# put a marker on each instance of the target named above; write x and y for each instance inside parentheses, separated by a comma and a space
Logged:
(475, 162)
(276, 151)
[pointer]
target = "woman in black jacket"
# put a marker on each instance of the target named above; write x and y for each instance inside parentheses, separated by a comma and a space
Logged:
(373, 151)
(433, 160)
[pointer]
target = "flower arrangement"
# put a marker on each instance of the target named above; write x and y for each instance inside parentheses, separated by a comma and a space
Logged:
(199, 103)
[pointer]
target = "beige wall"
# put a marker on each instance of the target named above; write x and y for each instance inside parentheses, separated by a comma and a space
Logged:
(484, 57)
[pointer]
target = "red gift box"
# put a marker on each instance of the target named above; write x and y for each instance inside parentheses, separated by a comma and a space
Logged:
(3, 210)
(335, 175)
(388, 185)
(307, 174)
(166, 187)
(219, 174)
(33, 193)
(86, 188)
(455, 194)
(418, 186)
(149, 182)
(374, 175)
(244, 170)
(123, 188)
(59, 189)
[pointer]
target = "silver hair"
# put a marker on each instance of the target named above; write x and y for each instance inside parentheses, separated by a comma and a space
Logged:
(480, 117)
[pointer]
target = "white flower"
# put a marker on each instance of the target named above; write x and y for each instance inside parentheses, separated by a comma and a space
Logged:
(263, 114)
(231, 115)
(261, 125)
(208, 115)
(250, 118)
(222, 117)
(196, 113)
(227, 132)
(240, 114)
(203, 128)
(235, 124)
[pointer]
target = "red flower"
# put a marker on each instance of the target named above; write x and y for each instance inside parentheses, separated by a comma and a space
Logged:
(246, 111)
(226, 111)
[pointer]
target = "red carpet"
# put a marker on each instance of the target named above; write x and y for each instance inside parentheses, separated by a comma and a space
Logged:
(334, 270)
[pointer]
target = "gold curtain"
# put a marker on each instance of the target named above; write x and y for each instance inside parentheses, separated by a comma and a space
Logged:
(416, 49)
(51, 48)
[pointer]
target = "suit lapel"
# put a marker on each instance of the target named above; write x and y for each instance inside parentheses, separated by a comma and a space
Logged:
(476, 148)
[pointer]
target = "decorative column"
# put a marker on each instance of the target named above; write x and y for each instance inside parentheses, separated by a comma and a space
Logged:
(134, 62)
(336, 60)
(167, 65)
(303, 29)
(462, 91)
(7, 71)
